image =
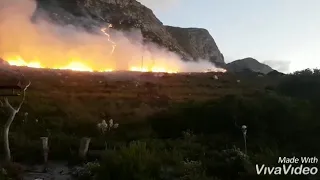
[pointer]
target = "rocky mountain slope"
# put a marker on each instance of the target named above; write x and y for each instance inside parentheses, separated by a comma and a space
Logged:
(189, 43)
(198, 43)
(275, 73)
(248, 64)
(3, 62)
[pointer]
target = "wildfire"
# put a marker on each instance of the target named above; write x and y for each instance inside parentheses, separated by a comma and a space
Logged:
(79, 65)
(107, 70)
(73, 65)
(87, 64)
(18, 61)
(151, 69)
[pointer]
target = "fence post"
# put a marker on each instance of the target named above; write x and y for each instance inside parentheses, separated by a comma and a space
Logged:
(45, 148)
(84, 146)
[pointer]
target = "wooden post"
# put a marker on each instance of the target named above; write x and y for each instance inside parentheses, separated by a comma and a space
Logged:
(84, 146)
(45, 148)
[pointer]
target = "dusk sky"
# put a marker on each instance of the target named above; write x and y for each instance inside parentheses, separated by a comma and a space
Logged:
(282, 33)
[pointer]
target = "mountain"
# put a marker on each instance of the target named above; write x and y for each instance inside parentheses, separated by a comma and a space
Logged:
(248, 64)
(275, 73)
(198, 43)
(189, 43)
(3, 62)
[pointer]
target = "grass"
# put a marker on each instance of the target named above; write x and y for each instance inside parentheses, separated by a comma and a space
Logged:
(85, 95)
(66, 101)
(153, 112)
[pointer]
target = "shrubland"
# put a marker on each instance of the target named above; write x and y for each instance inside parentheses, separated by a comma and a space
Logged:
(180, 127)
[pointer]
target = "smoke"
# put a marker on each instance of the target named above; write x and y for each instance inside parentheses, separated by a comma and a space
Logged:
(282, 66)
(56, 45)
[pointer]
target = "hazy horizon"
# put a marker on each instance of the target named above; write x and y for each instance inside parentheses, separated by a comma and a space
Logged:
(280, 33)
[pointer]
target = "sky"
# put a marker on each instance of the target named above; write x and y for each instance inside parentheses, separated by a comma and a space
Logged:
(284, 34)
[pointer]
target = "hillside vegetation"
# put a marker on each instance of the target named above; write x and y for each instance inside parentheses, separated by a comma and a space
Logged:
(173, 126)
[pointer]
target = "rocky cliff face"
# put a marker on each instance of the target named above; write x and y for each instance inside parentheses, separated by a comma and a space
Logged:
(198, 43)
(189, 43)
(248, 64)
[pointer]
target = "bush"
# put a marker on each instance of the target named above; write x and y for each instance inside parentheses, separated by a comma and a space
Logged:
(137, 162)
(273, 122)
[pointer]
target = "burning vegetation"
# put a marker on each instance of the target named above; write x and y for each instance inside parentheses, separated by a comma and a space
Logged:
(78, 64)
(39, 43)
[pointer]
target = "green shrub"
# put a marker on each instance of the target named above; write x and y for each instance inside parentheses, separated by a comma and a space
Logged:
(138, 162)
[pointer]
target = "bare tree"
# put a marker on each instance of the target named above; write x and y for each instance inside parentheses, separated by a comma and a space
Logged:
(12, 115)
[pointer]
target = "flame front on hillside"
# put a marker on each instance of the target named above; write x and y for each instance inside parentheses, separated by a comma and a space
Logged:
(40, 44)
(81, 66)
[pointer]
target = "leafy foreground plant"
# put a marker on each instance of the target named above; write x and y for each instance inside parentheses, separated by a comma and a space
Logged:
(3, 174)
(137, 162)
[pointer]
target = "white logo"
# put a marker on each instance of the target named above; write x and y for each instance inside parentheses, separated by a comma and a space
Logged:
(290, 166)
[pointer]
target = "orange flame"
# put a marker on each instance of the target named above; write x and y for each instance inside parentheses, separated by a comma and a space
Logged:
(82, 64)
(79, 65)
(76, 66)
(18, 61)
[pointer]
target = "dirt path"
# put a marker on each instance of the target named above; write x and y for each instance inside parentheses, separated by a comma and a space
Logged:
(55, 171)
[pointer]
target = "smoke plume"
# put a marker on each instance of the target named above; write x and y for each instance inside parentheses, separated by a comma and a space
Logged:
(282, 66)
(56, 45)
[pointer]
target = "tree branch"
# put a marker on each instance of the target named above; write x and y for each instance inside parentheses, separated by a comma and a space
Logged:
(7, 125)
(2, 105)
(24, 96)
(8, 105)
